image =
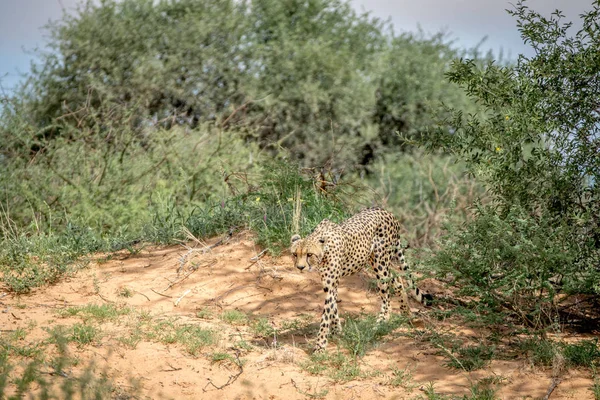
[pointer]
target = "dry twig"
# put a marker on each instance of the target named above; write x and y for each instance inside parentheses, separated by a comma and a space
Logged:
(160, 294)
(232, 378)
(553, 385)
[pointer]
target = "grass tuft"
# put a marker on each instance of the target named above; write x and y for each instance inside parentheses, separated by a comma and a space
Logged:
(360, 334)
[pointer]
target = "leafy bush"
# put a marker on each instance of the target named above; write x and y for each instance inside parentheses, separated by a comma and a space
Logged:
(535, 148)
(315, 77)
(424, 191)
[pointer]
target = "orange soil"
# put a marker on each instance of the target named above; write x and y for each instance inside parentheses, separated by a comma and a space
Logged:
(227, 279)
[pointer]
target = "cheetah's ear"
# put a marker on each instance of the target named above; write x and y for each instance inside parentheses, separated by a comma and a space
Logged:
(295, 238)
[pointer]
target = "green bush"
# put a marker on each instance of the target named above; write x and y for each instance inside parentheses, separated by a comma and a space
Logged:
(424, 191)
(535, 149)
(315, 77)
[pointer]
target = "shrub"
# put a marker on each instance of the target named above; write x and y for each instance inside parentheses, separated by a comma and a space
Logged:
(535, 148)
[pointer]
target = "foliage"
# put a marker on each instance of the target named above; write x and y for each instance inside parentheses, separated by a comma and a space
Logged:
(535, 148)
(424, 191)
(315, 77)
(147, 120)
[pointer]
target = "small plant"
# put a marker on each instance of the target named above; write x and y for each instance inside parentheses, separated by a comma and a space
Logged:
(402, 378)
(471, 358)
(316, 363)
(192, 337)
(344, 368)
(541, 352)
(298, 326)
(263, 328)
(205, 313)
(243, 345)
(338, 366)
(130, 340)
(430, 393)
(35, 381)
(234, 317)
(362, 333)
(220, 356)
(125, 292)
(83, 334)
(484, 389)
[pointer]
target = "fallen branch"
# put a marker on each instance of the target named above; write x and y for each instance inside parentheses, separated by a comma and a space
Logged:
(172, 368)
(140, 293)
(182, 296)
(553, 385)
(318, 395)
(104, 298)
(231, 290)
(160, 294)
(187, 275)
(256, 258)
(232, 378)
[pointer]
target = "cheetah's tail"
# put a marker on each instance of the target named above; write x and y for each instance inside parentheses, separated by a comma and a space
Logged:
(422, 297)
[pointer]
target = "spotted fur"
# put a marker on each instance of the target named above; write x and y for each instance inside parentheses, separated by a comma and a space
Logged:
(370, 237)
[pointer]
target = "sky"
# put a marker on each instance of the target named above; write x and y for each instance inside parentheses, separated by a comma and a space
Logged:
(466, 21)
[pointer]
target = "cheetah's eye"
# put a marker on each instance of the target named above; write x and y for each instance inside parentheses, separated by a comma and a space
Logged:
(294, 255)
(309, 255)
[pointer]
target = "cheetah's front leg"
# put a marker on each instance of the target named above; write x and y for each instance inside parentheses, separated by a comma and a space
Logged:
(330, 318)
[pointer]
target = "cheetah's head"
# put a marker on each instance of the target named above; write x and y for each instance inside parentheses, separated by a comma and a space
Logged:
(307, 252)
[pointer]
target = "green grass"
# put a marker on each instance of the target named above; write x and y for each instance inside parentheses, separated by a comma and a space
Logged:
(84, 334)
(220, 356)
(205, 313)
(402, 378)
(244, 346)
(582, 354)
(96, 312)
(595, 389)
(234, 317)
(430, 393)
(61, 382)
(39, 254)
(192, 337)
(484, 389)
(471, 358)
(301, 326)
(337, 366)
(262, 328)
(359, 334)
(541, 352)
(14, 344)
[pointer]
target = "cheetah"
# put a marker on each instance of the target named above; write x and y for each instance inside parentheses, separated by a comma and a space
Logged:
(369, 237)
